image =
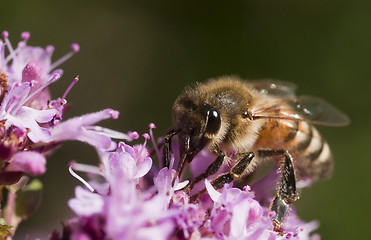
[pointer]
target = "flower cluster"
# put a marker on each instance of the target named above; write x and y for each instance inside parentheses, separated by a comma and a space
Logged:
(31, 123)
(135, 200)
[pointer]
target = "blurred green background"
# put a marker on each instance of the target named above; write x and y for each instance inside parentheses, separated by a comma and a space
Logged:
(136, 57)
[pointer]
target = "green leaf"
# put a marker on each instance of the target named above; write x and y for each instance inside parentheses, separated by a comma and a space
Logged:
(4, 229)
(28, 199)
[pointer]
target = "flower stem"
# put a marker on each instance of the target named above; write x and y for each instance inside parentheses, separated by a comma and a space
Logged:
(1, 199)
(10, 207)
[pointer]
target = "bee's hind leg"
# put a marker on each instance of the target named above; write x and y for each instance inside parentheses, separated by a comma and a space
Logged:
(286, 193)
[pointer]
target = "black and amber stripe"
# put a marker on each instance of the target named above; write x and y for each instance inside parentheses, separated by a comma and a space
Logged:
(311, 150)
(292, 132)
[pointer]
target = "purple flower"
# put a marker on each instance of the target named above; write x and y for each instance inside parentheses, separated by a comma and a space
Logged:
(132, 215)
(164, 182)
(86, 203)
(24, 54)
(25, 74)
(34, 72)
(135, 207)
(81, 129)
(131, 162)
(237, 215)
(29, 162)
(27, 109)
(129, 212)
(16, 114)
(31, 127)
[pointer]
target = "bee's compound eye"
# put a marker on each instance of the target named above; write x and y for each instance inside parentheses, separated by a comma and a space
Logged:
(213, 121)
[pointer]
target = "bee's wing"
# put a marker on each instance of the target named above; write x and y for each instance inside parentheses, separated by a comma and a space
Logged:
(305, 108)
(275, 87)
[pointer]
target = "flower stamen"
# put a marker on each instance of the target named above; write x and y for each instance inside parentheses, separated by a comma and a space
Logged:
(70, 87)
(25, 35)
(74, 49)
(5, 35)
(154, 144)
(70, 169)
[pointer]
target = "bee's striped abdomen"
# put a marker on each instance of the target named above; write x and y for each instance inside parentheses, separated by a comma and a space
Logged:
(310, 151)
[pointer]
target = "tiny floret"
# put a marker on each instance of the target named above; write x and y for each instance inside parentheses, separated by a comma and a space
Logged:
(133, 135)
(5, 34)
(75, 47)
(25, 35)
(114, 114)
(146, 136)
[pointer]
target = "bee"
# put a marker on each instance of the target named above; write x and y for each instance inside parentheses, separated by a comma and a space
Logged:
(254, 120)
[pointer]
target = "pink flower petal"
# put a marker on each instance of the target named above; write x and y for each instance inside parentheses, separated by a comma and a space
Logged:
(215, 195)
(85, 202)
(92, 138)
(41, 116)
(34, 71)
(144, 167)
(29, 162)
(79, 128)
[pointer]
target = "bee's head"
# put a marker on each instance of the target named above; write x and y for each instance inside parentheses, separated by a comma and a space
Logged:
(197, 122)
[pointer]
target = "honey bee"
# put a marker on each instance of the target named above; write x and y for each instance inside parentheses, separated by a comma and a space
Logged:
(255, 120)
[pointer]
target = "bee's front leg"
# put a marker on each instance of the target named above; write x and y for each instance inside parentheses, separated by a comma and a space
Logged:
(211, 170)
(167, 147)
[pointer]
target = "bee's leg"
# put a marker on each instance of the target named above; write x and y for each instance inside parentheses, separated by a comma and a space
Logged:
(211, 170)
(167, 147)
(235, 172)
(286, 193)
